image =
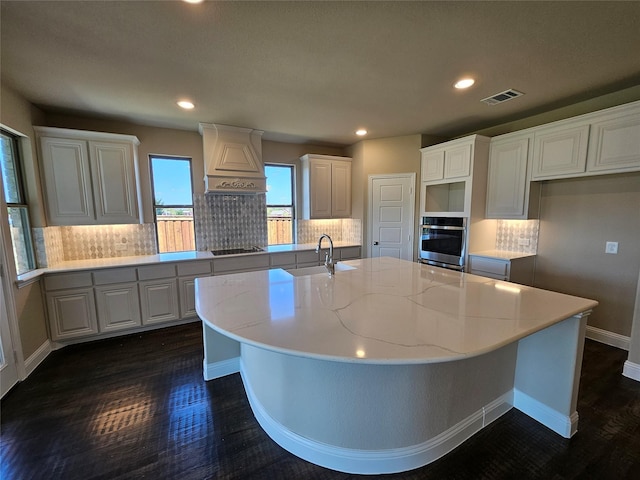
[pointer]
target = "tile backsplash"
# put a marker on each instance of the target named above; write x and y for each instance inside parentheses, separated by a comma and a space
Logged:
(340, 230)
(517, 235)
(230, 221)
(57, 244)
(220, 221)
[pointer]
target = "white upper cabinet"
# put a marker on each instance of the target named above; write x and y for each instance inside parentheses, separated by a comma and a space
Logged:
(90, 178)
(560, 151)
(326, 187)
(614, 143)
(606, 141)
(508, 186)
(451, 161)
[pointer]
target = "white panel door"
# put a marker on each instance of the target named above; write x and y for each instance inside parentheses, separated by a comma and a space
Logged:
(392, 222)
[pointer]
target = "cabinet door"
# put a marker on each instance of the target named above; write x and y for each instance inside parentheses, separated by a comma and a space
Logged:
(72, 313)
(320, 188)
(560, 152)
(457, 162)
(614, 145)
(432, 165)
(67, 181)
(507, 180)
(187, 288)
(341, 190)
(114, 182)
(118, 306)
(159, 301)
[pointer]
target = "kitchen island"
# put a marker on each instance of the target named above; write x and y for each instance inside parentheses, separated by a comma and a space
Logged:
(391, 364)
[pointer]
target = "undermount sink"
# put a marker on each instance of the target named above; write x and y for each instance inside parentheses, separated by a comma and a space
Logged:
(301, 272)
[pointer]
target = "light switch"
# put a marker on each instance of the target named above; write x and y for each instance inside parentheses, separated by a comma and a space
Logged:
(611, 247)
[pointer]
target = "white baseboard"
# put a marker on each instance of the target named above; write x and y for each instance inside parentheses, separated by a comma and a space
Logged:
(211, 371)
(559, 423)
(631, 370)
(608, 338)
(37, 357)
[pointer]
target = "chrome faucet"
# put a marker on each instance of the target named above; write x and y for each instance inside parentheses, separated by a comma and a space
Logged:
(328, 258)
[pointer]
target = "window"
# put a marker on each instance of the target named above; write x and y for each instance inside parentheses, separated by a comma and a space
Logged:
(280, 211)
(18, 211)
(173, 203)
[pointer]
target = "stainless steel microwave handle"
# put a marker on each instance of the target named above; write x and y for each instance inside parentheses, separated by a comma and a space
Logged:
(444, 227)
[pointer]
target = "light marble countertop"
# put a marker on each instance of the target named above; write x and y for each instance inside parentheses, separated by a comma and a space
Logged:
(385, 311)
(133, 261)
(501, 254)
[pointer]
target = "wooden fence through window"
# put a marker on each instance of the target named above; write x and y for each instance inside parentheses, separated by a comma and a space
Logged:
(176, 233)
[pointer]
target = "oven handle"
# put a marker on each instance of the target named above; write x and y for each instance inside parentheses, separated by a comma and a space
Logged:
(445, 227)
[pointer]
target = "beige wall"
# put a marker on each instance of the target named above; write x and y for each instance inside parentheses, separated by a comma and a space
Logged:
(19, 115)
(381, 156)
(634, 344)
(577, 217)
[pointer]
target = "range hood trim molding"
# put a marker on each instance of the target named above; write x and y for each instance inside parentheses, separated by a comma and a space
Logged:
(232, 159)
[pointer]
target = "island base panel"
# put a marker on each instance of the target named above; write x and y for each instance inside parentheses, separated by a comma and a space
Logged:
(367, 418)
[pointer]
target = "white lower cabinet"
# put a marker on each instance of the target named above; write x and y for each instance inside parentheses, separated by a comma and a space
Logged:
(159, 301)
(187, 287)
(72, 313)
(516, 270)
(71, 305)
(118, 306)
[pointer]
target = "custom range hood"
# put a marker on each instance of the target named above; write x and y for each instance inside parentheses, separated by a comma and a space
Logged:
(232, 159)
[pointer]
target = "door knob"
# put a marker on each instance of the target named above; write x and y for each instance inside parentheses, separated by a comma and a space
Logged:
(376, 243)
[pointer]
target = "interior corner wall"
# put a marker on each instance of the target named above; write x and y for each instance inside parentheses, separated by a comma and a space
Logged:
(376, 157)
(19, 115)
(577, 217)
(634, 343)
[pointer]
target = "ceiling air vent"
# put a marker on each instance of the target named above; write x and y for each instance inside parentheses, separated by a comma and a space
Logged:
(502, 97)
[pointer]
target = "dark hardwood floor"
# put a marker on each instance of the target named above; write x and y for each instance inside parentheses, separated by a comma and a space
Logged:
(137, 407)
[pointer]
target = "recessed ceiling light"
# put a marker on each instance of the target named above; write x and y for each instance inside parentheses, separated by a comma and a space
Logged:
(464, 83)
(186, 104)
(361, 132)
(193, 1)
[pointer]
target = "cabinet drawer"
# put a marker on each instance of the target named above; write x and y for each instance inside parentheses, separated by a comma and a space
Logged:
(496, 267)
(157, 271)
(241, 263)
(347, 253)
(194, 268)
(307, 256)
(114, 275)
(67, 280)
(284, 259)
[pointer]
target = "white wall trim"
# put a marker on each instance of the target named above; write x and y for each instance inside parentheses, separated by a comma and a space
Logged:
(211, 371)
(631, 370)
(561, 424)
(393, 460)
(37, 357)
(608, 338)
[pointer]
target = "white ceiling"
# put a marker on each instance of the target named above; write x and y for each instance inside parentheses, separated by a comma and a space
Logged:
(317, 71)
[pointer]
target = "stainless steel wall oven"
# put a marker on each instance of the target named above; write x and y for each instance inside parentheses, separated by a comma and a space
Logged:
(443, 242)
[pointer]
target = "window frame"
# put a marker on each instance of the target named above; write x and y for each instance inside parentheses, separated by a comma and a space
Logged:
(292, 168)
(155, 206)
(22, 204)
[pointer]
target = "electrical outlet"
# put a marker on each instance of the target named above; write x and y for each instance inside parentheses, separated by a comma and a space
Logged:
(524, 242)
(611, 247)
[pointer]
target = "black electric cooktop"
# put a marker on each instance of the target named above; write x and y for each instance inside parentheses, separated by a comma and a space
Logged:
(235, 251)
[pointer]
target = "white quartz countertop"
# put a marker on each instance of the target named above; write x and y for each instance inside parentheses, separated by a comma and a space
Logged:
(384, 311)
(501, 254)
(133, 261)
